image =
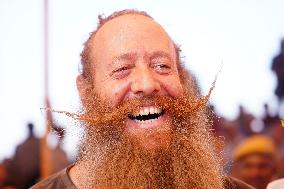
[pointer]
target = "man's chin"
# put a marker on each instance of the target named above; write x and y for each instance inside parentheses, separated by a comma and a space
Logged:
(151, 137)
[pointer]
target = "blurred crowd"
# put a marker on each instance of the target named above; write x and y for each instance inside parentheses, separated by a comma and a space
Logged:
(24, 169)
(252, 148)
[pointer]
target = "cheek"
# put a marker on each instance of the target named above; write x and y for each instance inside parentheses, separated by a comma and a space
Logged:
(116, 91)
(173, 86)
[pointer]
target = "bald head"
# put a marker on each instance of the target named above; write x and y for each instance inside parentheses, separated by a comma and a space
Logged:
(125, 33)
(129, 20)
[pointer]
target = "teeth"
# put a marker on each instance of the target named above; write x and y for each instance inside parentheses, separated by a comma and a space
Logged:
(148, 110)
(152, 109)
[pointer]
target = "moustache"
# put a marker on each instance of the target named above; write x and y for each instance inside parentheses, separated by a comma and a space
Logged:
(176, 107)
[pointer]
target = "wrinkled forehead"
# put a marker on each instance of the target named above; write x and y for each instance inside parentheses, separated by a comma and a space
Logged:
(132, 31)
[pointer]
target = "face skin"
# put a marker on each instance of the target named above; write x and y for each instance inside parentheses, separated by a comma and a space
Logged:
(125, 68)
(257, 170)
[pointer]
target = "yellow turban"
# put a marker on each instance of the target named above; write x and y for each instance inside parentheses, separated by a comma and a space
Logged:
(257, 144)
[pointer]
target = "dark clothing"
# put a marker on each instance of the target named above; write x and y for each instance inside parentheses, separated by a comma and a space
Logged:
(61, 180)
(278, 68)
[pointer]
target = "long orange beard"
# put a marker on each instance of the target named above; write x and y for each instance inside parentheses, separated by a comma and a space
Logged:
(110, 159)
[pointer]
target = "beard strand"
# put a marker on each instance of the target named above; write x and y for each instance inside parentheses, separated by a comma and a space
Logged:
(109, 159)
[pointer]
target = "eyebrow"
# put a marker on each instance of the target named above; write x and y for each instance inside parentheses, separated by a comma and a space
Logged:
(131, 56)
(159, 54)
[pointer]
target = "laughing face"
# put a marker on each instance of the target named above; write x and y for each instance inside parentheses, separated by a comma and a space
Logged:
(145, 123)
(134, 58)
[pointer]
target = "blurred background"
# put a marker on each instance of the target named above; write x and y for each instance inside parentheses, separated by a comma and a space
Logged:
(40, 45)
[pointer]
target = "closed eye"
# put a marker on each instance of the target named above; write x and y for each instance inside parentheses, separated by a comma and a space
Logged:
(162, 68)
(120, 69)
(121, 72)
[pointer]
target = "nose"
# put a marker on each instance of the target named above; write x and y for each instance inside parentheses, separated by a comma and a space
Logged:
(145, 82)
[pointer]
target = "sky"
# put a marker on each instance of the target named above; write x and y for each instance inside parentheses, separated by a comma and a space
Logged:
(241, 36)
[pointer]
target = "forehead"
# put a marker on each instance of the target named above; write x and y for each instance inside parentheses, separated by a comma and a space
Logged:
(130, 33)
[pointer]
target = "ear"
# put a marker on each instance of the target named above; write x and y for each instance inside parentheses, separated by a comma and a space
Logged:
(83, 87)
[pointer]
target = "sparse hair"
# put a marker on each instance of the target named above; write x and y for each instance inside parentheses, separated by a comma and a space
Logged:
(85, 54)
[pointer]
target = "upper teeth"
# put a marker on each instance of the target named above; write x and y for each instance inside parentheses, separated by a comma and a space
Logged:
(147, 111)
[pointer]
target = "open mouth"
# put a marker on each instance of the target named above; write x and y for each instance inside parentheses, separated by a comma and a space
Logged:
(147, 114)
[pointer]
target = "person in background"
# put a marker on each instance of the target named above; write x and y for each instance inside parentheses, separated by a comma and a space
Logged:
(244, 121)
(26, 160)
(255, 161)
(278, 68)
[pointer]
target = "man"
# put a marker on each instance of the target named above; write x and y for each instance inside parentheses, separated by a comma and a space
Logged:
(145, 122)
(255, 161)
